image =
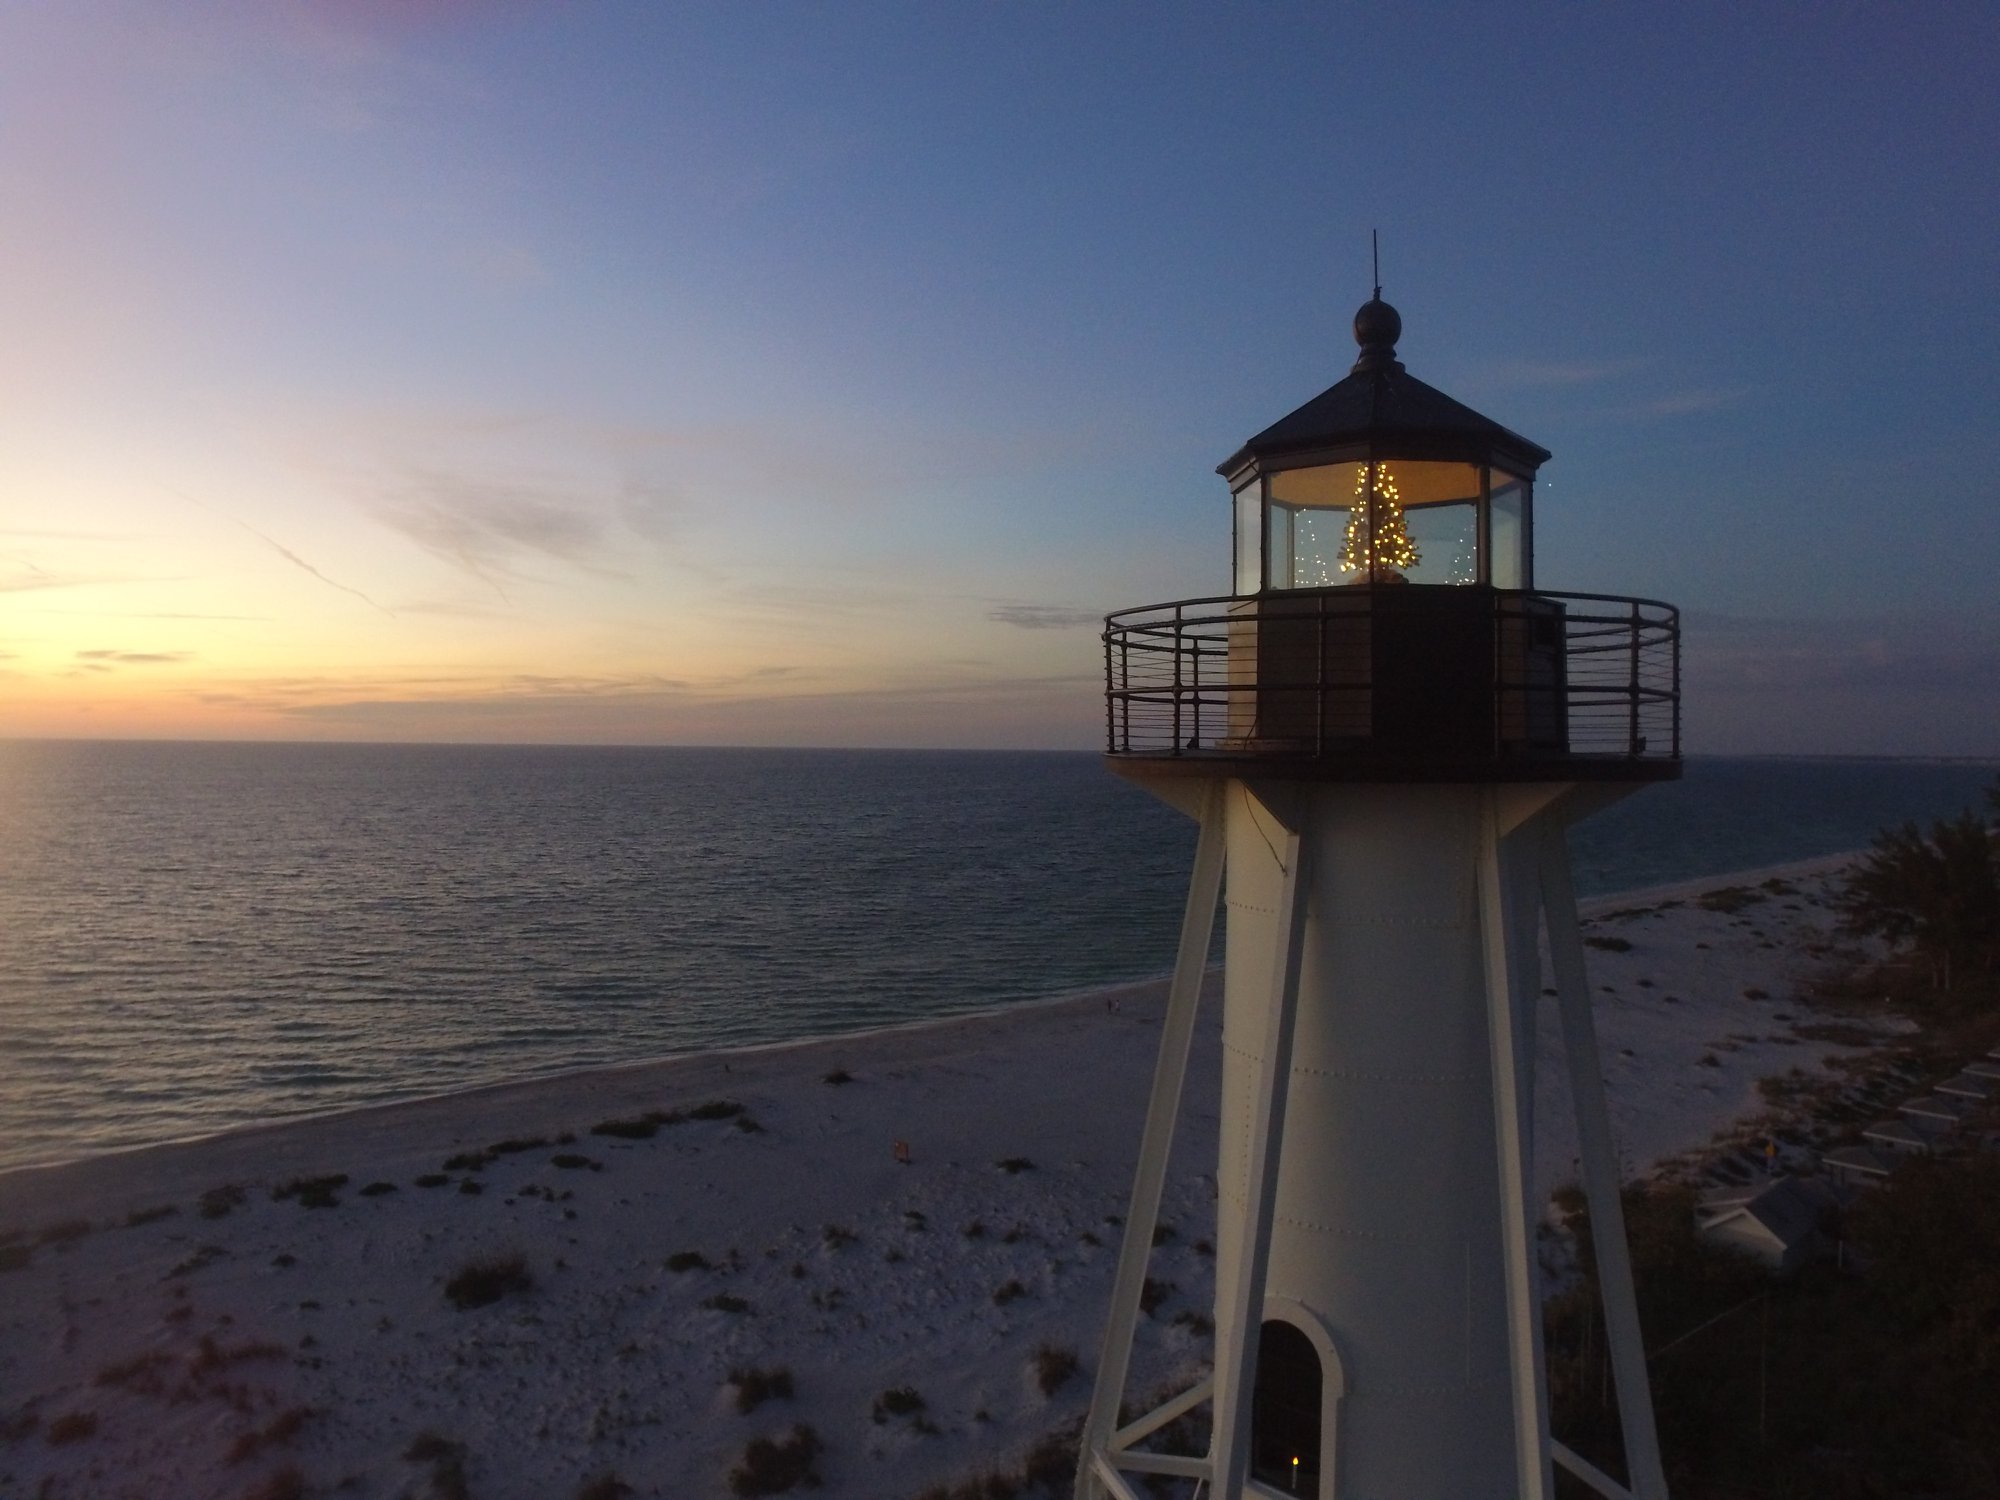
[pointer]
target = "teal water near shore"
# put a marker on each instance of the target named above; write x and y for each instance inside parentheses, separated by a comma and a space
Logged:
(198, 936)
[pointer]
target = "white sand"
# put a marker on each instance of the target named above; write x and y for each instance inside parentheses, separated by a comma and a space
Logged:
(611, 1363)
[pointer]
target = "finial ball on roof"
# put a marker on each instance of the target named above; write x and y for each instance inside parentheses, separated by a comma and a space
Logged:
(1377, 324)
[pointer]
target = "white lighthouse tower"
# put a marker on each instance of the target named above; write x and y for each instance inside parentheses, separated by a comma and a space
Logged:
(1384, 733)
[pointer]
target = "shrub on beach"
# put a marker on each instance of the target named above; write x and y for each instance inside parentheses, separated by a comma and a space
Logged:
(447, 1461)
(72, 1427)
(312, 1192)
(754, 1387)
(1049, 1467)
(1728, 899)
(217, 1202)
(480, 1282)
(210, 1356)
(992, 1485)
(687, 1260)
(517, 1144)
(1054, 1364)
(207, 1255)
(143, 1374)
(638, 1127)
(898, 1401)
(287, 1484)
(772, 1466)
(281, 1429)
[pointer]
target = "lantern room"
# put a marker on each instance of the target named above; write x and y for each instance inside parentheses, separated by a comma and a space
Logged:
(1385, 621)
(1383, 480)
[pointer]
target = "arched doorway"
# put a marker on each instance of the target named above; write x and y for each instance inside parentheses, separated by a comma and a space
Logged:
(1287, 1407)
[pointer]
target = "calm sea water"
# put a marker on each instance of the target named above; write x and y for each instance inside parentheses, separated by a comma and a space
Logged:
(196, 936)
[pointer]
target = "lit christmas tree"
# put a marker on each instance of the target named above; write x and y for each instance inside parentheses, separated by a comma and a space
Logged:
(1380, 552)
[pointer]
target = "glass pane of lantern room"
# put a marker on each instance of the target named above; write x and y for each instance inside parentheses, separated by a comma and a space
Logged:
(1309, 512)
(1249, 538)
(1439, 517)
(1510, 532)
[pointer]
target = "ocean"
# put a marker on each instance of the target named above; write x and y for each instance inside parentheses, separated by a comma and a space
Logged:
(200, 936)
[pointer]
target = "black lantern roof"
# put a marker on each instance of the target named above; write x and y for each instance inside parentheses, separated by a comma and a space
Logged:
(1380, 406)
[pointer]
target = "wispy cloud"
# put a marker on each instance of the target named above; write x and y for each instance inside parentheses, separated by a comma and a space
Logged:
(449, 609)
(1913, 655)
(30, 578)
(1910, 684)
(492, 530)
(134, 658)
(47, 535)
(1681, 403)
(456, 693)
(789, 603)
(1044, 616)
(1546, 372)
(944, 708)
(652, 508)
(285, 552)
(147, 614)
(34, 579)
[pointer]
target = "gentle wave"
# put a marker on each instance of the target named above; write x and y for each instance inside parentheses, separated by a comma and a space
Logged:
(194, 937)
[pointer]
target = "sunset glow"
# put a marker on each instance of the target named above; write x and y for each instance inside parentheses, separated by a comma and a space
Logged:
(799, 376)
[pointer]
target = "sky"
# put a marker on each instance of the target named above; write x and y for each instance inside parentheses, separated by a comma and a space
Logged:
(774, 374)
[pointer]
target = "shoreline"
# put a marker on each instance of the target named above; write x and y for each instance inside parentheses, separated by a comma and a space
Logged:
(531, 1098)
(222, 1312)
(1588, 908)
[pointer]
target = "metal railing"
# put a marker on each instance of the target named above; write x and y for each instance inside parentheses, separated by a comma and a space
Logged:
(1326, 673)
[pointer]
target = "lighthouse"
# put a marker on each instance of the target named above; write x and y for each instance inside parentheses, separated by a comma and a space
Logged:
(1384, 733)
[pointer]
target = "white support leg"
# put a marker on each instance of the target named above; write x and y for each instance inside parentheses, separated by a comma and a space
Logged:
(1600, 1172)
(1521, 874)
(1236, 1349)
(1524, 1312)
(1155, 1144)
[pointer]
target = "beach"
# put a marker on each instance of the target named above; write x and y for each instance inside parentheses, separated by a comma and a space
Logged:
(931, 1209)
